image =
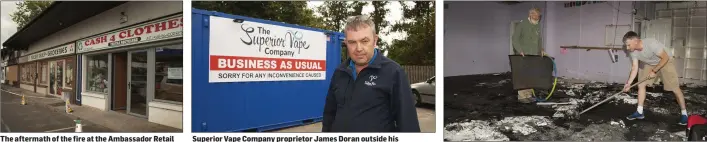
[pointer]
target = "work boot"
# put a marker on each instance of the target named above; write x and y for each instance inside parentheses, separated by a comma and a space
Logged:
(525, 96)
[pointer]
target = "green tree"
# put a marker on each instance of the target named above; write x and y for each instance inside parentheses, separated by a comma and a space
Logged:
(356, 7)
(418, 48)
(291, 12)
(378, 15)
(335, 13)
(28, 10)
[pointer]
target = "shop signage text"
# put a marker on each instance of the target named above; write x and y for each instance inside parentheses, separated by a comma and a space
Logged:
(250, 51)
(167, 28)
(54, 52)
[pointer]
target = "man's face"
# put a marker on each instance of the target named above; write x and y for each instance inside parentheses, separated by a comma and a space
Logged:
(632, 44)
(535, 15)
(360, 44)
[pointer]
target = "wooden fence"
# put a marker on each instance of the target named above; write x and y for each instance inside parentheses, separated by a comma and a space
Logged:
(419, 73)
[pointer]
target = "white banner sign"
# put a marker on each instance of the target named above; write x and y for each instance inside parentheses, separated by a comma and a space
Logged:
(250, 51)
(168, 28)
(54, 52)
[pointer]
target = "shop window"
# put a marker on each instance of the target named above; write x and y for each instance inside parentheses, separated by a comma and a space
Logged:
(97, 73)
(52, 76)
(168, 73)
(59, 73)
(29, 73)
(69, 73)
(43, 73)
(56, 76)
(23, 73)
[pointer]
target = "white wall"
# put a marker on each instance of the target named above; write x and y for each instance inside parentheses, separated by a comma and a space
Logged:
(42, 90)
(477, 35)
(166, 114)
(137, 11)
(27, 87)
(585, 26)
(94, 100)
(476, 38)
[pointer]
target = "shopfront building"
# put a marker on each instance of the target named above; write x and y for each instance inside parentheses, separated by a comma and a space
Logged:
(136, 70)
(50, 71)
(126, 56)
(10, 67)
(11, 75)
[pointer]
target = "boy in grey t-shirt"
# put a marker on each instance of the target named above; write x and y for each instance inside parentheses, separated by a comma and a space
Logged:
(656, 59)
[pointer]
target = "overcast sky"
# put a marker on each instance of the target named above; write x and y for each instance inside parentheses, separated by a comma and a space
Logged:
(8, 27)
(395, 14)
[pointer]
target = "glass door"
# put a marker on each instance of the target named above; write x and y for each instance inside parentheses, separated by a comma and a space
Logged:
(52, 78)
(59, 75)
(137, 82)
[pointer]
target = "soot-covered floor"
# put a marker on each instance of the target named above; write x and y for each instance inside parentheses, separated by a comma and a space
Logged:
(485, 107)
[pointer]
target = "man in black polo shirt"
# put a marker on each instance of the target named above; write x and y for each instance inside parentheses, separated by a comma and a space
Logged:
(368, 92)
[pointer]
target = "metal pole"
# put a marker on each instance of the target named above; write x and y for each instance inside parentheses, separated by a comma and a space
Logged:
(613, 96)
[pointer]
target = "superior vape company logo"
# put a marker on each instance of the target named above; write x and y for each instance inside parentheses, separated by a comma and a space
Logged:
(271, 44)
(370, 80)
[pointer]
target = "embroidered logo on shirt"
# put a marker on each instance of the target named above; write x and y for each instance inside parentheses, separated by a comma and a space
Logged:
(370, 81)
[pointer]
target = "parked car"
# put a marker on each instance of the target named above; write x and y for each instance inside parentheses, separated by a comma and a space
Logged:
(424, 92)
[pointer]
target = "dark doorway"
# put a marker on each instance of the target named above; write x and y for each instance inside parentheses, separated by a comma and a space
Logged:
(120, 83)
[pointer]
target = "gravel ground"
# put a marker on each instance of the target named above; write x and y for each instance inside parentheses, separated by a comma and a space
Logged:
(485, 108)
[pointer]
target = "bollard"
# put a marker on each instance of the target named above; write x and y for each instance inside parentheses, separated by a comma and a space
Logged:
(78, 125)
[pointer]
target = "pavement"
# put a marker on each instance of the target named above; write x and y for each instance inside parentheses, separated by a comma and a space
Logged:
(34, 118)
(425, 114)
(44, 113)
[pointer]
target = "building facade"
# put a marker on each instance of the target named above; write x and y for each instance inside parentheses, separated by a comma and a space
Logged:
(113, 56)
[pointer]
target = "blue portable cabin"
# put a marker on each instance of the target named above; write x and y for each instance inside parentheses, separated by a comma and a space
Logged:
(254, 106)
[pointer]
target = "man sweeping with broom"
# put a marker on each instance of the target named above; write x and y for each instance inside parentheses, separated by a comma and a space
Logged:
(656, 60)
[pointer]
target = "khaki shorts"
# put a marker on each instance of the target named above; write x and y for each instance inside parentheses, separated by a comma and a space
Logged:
(668, 74)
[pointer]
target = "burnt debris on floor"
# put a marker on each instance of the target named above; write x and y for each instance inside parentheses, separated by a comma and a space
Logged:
(485, 107)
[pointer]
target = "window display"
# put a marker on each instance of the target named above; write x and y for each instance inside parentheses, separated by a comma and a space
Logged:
(168, 73)
(23, 73)
(43, 73)
(97, 73)
(29, 73)
(52, 76)
(55, 78)
(69, 73)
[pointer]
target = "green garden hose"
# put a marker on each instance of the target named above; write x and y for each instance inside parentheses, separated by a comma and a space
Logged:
(554, 83)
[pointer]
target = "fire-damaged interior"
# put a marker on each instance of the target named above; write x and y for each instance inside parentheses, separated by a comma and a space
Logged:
(589, 65)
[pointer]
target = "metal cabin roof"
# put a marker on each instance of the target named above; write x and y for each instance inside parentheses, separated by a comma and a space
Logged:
(59, 15)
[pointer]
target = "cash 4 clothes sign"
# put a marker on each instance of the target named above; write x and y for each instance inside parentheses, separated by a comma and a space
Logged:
(158, 30)
(252, 51)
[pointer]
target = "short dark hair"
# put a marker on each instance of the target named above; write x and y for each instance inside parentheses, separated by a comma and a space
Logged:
(629, 35)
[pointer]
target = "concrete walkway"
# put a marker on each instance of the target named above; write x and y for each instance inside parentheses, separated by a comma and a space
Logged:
(115, 121)
(18, 118)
